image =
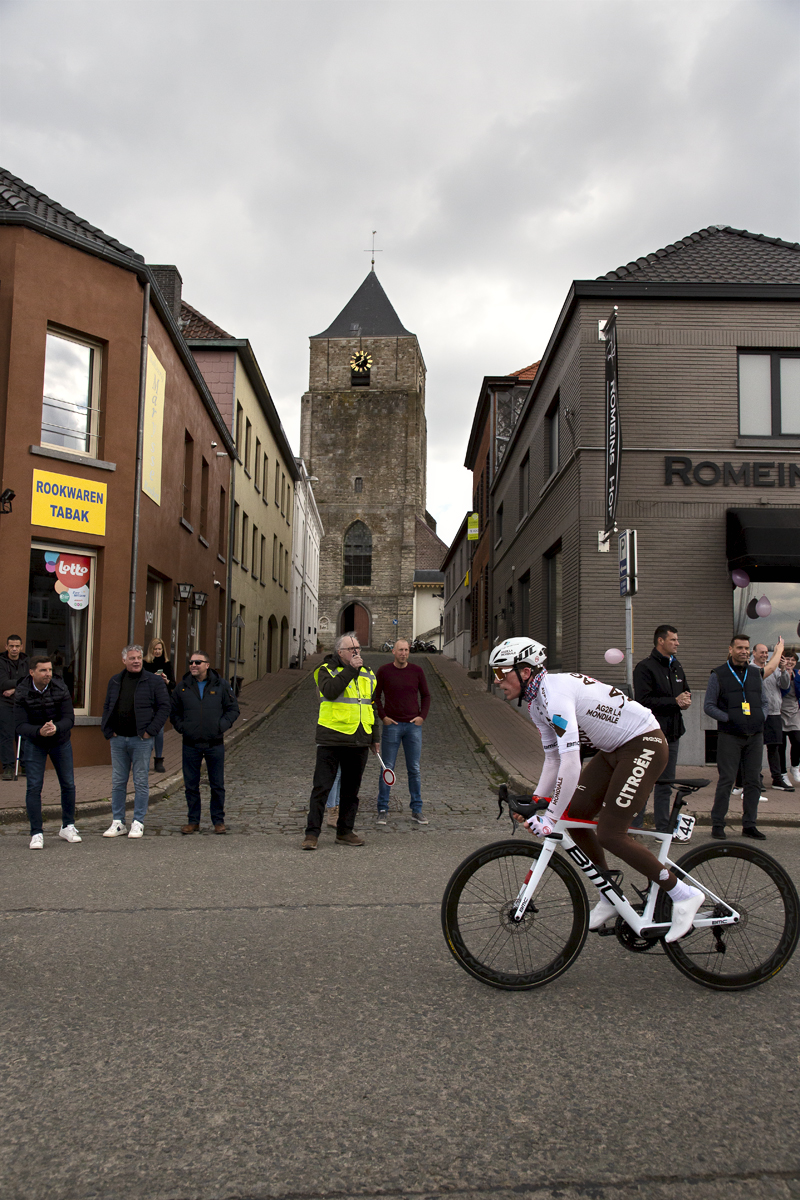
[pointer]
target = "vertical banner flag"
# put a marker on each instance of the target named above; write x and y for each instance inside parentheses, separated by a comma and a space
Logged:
(155, 381)
(613, 432)
(473, 527)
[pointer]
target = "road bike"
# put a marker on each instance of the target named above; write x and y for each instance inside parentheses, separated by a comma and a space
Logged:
(515, 913)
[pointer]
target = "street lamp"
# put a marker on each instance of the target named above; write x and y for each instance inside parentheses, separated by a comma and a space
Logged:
(199, 599)
(185, 591)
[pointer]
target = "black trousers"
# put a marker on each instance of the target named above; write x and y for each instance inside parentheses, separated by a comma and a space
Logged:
(352, 760)
(731, 751)
(793, 736)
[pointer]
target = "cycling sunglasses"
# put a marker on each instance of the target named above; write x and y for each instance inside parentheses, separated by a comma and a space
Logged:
(501, 672)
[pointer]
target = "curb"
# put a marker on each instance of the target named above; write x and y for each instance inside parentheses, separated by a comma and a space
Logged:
(163, 791)
(519, 784)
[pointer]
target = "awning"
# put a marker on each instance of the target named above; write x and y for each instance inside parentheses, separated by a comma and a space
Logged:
(765, 542)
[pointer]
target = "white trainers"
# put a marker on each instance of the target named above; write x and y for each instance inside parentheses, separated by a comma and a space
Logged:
(37, 842)
(116, 829)
(736, 791)
(69, 833)
(683, 913)
(601, 913)
(137, 829)
(795, 773)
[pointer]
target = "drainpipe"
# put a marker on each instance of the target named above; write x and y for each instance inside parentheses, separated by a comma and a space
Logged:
(137, 494)
(231, 512)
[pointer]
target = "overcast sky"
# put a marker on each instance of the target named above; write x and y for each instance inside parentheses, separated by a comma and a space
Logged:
(500, 150)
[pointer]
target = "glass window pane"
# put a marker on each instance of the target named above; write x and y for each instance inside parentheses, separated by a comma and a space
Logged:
(58, 615)
(755, 395)
(66, 415)
(790, 395)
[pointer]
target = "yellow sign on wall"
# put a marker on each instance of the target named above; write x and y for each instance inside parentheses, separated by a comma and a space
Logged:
(66, 502)
(473, 527)
(155, 382)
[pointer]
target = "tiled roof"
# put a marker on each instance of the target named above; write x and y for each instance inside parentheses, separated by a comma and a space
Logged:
(16, 196)
(526, 372)
(195, 325)
(368, 313)
(718, 254)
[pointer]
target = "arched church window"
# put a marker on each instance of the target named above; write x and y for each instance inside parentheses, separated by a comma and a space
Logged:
(358, 556)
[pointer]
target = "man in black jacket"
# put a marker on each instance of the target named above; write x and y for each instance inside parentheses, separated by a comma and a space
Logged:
(659, 683)
(43, 718)
(203, 707)
(13, 668)
(136, 709)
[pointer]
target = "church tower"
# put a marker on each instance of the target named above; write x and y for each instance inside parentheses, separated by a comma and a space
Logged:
(363, 435)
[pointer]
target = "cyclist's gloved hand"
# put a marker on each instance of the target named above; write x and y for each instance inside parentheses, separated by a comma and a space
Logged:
(542, 824)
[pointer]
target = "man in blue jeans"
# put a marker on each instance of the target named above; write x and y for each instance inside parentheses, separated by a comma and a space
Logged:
(43, 718)
(402, 701)
(203, 707)
(135, 710)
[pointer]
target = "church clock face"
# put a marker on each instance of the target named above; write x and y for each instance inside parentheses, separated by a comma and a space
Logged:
(360, 361)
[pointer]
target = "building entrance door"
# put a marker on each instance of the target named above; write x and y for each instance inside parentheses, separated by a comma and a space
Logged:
(356, 617)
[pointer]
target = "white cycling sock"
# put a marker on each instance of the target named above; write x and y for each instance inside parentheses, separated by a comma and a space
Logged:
(681, 891)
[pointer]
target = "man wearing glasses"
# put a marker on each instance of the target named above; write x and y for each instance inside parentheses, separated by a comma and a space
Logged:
(203, 707)
(346, 731)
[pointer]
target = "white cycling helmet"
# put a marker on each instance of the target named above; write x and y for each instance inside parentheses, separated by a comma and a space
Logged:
(517, 652)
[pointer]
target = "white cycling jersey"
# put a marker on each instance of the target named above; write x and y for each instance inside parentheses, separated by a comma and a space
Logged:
(572, 709)
(569, 710)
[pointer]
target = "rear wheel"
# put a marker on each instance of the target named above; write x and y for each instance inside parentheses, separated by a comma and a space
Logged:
(477, 917)
(733, 958)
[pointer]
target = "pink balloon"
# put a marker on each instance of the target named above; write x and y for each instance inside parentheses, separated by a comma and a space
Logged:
(763, 607)
(613, 656)
(740, 578)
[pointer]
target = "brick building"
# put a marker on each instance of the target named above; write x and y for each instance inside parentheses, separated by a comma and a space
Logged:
(363, 435)
(709, 402)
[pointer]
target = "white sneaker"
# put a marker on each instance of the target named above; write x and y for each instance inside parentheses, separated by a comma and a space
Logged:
(137, 829)
(601, 913)
(787, 780)
(69, 833)
(116, 829)
(736, 791)
(37, 842)
(795, 773)
(683, 913)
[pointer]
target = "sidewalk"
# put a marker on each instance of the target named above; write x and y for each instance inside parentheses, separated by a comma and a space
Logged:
(93, 784)
(510, 740)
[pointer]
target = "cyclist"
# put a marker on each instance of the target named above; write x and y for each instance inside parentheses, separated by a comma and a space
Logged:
(613, 787)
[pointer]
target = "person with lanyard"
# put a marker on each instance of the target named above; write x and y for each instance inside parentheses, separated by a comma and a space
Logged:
(735, 699)
(569, 709)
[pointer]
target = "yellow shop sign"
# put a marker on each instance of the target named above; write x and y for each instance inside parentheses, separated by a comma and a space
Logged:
(65, 502)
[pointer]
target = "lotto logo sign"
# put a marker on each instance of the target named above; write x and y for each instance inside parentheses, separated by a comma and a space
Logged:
(73, 570)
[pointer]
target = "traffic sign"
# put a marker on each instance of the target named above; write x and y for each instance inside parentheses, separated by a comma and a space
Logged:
(628, 566)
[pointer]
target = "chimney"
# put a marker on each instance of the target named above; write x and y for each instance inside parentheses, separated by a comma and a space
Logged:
(170, 285)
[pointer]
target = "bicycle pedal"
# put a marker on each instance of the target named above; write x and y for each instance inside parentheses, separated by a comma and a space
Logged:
(605, 931)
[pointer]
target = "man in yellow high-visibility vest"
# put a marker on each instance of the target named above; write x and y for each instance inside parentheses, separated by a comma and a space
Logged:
(347, 729)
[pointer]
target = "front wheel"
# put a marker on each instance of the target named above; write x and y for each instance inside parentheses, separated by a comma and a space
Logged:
(477, 917)
(732, 958)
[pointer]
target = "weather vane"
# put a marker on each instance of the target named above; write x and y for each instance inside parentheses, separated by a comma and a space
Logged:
(374, 251)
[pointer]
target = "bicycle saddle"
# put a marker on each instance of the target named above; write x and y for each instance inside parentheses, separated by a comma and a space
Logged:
(686, 785)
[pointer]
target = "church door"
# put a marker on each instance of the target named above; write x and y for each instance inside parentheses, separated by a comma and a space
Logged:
(355, 617)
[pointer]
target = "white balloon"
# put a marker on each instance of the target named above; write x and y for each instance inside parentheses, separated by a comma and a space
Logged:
(763, 607)
(613, 656)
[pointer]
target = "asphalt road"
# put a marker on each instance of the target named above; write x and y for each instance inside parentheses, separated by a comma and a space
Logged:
(228, 1017)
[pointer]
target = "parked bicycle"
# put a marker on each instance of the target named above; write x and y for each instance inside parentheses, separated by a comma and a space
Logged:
(515, 913)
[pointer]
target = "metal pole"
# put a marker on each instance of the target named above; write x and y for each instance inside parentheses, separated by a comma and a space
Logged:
(137, 487)
(302, 651)
(629, 644)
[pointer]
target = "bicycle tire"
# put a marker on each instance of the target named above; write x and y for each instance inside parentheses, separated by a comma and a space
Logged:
(762, 891)
(480, 933)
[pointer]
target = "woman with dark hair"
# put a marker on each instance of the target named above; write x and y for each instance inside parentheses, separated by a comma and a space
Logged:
(790, 715)
(157, 663)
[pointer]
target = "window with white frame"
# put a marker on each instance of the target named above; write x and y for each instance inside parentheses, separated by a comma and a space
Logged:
(71, 394)
(769, 393)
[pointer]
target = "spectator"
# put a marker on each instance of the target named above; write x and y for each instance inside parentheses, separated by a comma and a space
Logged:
(135, 709)
(775, 681)
(43, 718)
(157, 662)
(790, 716)
(13, 668)
(346, 729)
(203, 707)
(403, 702)
(659, 683)
(735, 699)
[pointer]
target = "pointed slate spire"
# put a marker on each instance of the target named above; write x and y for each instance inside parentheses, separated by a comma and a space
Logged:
(368, 313)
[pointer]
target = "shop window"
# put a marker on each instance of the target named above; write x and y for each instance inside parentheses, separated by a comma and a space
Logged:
(71, 394)
(784, 596)
(553, 447)
(61, 585)
(204, 499)
(769, 394)
(188, 466)
(358, 556)
(553, 571)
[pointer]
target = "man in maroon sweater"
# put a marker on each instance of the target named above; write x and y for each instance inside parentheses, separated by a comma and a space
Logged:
(402, 700)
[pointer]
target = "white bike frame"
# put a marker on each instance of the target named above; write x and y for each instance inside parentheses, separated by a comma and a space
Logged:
(645, 922)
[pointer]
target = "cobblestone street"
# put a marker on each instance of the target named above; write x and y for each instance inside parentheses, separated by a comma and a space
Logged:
(268, 776)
